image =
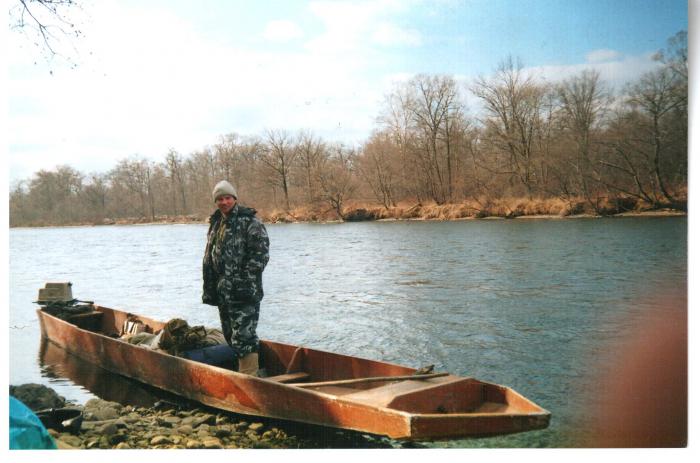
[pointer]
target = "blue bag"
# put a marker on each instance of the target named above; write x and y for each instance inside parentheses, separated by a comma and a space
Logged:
(221, 355)
(26, 430)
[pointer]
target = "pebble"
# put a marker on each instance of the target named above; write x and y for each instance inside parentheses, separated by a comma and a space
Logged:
(188, 420)
(118, 438)
(211, 443)
(104, 442)
(204, 419)
(109, 425)
(103, 414)
(73, 441)
(185, 429)
(160, 440)
(172, 420)
(108, 429)
(193, 444)
(222, 431)
(37, 396)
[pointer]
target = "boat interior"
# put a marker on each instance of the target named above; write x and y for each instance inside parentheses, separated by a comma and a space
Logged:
(354, 379)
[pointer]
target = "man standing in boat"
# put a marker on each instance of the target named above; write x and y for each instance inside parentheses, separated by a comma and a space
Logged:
(236, 254)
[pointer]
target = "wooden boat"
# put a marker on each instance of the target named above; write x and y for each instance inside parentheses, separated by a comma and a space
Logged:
(308, 385)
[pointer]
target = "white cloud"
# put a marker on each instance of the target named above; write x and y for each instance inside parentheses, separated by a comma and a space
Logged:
(390, 34)
(145, 89)
(143, 92)
(392, 80)
(615, 73)
(282, 31)
(356, 26)
(602, 55)
(345, 25)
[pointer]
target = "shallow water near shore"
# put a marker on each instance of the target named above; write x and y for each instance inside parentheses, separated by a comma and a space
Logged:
(534, 305)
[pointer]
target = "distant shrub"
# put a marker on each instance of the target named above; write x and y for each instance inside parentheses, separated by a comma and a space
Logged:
(359, 215)
(412, 212)
(573, 207)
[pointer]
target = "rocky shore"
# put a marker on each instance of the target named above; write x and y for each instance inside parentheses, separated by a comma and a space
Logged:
(166, 425)
(109, 425)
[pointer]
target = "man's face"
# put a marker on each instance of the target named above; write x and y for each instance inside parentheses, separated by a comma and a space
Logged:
(225, 203)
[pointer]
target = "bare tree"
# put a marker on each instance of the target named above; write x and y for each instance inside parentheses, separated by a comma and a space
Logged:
(175, 173)
(228, 155)
(135, 176)
(396, 120)
(675, 56)
(95, 192)
(583, 102)
(424, 116)
(20, 213)
(47, 23)
(376, 166)
(56, 193)
(626, 166)
(434, 109)
(278, 158)
(657, 97)
(201, 173)
(311, 151)
(337, 179)
(514, 104)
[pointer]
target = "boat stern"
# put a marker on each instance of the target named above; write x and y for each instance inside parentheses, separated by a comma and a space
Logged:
(473, 408)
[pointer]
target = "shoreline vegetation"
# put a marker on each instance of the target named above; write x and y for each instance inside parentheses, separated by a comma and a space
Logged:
(567, 148)
(503, 209)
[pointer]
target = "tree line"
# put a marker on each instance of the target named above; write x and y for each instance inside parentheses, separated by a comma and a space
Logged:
(575, 140)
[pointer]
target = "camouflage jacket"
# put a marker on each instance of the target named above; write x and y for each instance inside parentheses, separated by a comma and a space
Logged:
(235, 259)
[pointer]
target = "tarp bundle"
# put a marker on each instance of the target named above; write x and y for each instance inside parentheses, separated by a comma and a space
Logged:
(26, 430)
(178, 337)
(66, 309)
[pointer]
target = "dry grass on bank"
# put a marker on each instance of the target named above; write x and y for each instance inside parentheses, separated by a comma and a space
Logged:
(507, 208)
(481, 208)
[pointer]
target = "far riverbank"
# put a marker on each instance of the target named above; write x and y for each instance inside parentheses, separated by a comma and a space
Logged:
(512, 209)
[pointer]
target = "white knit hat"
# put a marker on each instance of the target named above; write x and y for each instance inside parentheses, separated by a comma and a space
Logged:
(224, 188)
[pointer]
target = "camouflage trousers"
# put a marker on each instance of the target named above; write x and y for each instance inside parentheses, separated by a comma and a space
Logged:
(239, 323)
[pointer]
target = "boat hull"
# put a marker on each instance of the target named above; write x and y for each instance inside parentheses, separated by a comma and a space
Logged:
(360, 409)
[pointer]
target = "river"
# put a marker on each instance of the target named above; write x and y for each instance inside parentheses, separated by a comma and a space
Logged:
(533, 304)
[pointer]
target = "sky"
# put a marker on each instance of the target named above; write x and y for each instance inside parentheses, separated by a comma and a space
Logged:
(149, 76)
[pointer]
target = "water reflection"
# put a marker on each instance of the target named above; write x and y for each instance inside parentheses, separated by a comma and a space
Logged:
(58, 364)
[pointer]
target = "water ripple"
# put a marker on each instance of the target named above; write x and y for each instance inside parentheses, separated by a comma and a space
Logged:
(529, 304)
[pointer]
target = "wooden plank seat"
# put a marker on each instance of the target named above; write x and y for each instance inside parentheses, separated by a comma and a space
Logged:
(289, 377)
(382, 396)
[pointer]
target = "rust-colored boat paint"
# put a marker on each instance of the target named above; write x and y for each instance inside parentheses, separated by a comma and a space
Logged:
(444, 407)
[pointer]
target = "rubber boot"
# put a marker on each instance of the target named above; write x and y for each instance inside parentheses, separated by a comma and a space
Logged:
(248, 364)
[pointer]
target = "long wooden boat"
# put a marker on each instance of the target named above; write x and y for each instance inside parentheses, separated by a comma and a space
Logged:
(307, 385)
